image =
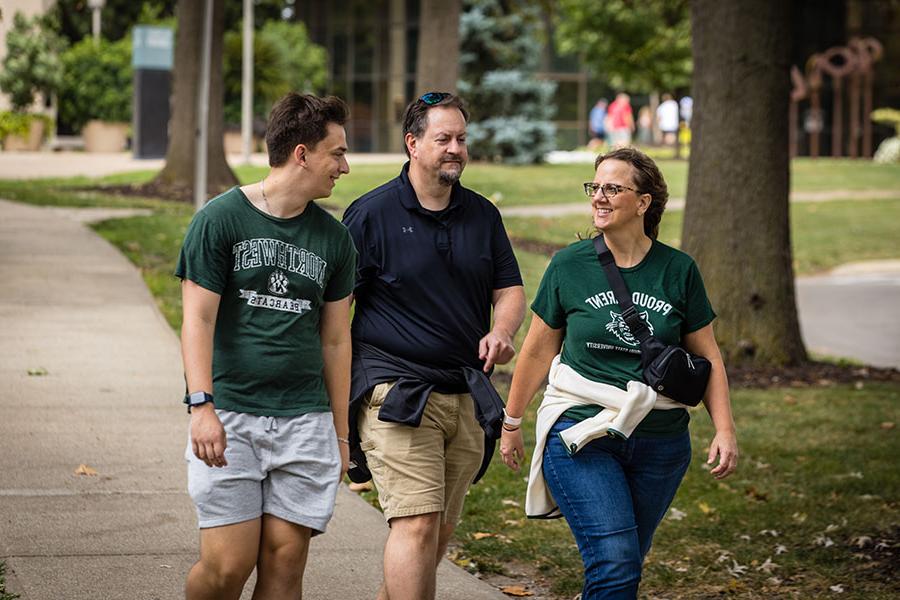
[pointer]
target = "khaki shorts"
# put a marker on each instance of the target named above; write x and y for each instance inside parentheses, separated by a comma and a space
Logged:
(425, 469)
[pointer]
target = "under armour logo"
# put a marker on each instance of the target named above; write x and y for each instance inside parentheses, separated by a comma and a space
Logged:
(407, 229)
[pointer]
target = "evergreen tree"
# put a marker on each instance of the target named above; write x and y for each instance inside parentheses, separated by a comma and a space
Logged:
(510, 109)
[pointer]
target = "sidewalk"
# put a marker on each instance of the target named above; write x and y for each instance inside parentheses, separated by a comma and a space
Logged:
(75, 309)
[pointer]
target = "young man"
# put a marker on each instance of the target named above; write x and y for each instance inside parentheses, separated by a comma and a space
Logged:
(435, 259)
(267, 277)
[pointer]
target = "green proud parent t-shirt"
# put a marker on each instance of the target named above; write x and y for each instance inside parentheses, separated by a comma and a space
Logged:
(668, 293)
(273, 276)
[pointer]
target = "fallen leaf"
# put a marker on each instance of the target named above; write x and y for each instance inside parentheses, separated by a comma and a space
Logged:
(754, 494)
(37, 371)
(767, 567)
(513, 523)
(832, 527)
(888, 425)
(737, 569)
(480, 535)
(837, 589)
(799, 517)
(85, 470)
(824, 541)
(515, 590)
(780, 549)
(676, 515)
(508, 502)
(705, 508)
(861, 541)
(772, 532)
(745, 537)
(774, 581)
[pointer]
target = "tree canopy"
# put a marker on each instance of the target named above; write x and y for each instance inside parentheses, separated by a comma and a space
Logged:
(638, 45)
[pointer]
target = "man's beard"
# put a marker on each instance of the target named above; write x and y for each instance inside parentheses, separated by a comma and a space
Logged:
(449, 178)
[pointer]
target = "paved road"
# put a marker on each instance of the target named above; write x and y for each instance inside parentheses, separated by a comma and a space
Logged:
(72, 307)
(854, 312)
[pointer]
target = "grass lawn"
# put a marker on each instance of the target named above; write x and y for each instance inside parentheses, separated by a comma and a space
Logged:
(815, 494)
(817, 491)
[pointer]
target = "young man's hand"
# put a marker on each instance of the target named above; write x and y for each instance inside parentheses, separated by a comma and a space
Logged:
(208, 436)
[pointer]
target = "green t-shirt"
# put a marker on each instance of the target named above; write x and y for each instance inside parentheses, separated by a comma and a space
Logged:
(668, 293)
(273, 276)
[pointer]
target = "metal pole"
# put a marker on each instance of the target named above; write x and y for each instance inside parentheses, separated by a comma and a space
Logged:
(96, 6)
(200, 148)
(247, 83)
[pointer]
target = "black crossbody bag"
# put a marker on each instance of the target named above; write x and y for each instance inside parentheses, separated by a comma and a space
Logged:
(670, 370)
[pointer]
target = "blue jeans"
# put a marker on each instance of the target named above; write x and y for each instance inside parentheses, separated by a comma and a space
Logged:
(613, 494)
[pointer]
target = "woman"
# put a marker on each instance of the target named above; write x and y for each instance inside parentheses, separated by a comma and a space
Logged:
(610, 453)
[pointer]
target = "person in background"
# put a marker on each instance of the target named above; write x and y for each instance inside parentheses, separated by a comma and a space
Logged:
(667, 119)
(596, 123)
(620, 121)
(611, 453)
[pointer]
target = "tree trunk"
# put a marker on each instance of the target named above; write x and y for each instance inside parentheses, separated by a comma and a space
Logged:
(178, 172)
(437, 65)
(736, 222)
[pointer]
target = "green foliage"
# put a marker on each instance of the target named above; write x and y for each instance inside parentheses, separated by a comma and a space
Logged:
(31, 65)
(17, 123)
(510, 108)
(284, 60)
(889, 150)
(4, 595)
(640, 46)
(117, 17)
(888, 116)
(97, 82)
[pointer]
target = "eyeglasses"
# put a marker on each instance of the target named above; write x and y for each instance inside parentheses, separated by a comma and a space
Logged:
(609, 190)
(432, 98)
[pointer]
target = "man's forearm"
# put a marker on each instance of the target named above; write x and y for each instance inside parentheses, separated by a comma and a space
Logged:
(509, 310)
(197, 351)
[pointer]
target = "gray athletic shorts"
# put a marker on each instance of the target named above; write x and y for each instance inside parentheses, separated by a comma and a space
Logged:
(288, 467)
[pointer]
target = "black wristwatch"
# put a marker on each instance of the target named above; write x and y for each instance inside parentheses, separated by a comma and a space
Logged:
(196, 399)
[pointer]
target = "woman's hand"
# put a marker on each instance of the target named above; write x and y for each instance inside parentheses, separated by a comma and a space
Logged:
(512, 449)
(723, 445)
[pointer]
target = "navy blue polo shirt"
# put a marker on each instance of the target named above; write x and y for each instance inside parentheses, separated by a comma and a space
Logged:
(425, 282)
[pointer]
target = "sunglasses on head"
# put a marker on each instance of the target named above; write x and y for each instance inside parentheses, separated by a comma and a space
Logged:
(432, 98)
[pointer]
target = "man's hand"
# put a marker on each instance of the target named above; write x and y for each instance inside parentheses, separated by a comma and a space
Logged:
(496, 348)
(208, 436)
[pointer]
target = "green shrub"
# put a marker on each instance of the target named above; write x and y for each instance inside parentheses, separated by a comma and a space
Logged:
(19, 123)
(96, 82)
(32, 64)
(284, 60)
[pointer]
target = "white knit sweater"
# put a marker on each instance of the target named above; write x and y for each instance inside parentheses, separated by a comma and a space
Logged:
(625, 409)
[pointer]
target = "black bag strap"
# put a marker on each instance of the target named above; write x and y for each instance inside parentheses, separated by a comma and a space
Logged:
(637, 326)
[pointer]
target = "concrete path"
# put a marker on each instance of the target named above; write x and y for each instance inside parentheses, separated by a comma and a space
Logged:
(91, 374)
(853, 312)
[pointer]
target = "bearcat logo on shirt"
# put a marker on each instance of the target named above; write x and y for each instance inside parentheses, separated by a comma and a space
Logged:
(619, 328)
(278, 283)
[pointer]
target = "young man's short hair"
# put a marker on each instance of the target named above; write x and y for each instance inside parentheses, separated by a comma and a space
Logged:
(301, 119)
(415, 117)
